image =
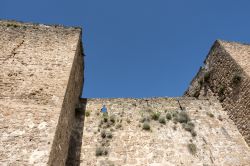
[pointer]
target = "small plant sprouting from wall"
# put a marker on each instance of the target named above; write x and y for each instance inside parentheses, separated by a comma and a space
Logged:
(168, 116)
(210, 114)
(221, 93)
(200, 82)
(100, 151)
(155, 115)
(103, 134)
(183, 117)
(112, 119)
(207, 76)
(12, 25)
(220, 118)
(162, 120)
(221, 90)
(109, 135)
(236, 78)
(192, 148)
(189, 126)
(118, 126)
(87, 113)
(106, 125)
(146, 126)
(193, 133)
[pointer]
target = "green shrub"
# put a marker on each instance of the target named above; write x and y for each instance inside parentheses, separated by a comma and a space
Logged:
(174, 114)
(105, 152)
(193, 133)
(189, 126)
(162, 120)
(119, 125)
(87, 113)
(146, 126)
(210, 114)
(12, 25)
(105, 119)
(109, 135)
(207, 76)
(112, 118)
(100, 151)
(200, 82)
(183, 117)
(221, 90)
(105, 143)
(174, 127)
(103, 134)
(128, 120)
(192, 148)
(236, 78)
(168, 116)
(155, 115)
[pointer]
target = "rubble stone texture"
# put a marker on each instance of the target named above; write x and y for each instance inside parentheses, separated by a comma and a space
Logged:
(218, 141)
(42, 121)
(41, 77)
(227, 70)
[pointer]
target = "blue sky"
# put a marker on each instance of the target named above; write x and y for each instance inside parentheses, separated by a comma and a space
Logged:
(140, 48)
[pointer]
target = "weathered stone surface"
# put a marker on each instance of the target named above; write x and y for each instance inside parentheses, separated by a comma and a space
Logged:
(218, 141)
(226, 76)
(41, 76)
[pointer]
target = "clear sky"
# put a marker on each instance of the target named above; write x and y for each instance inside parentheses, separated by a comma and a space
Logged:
(140, 48)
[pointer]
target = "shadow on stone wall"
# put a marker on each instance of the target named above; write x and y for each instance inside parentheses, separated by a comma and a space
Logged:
(74, 152)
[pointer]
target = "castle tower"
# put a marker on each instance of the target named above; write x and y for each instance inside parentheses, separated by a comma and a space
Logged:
(41, 77)
(226, 76)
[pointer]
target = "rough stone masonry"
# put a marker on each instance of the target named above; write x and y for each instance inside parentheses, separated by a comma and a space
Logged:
(41, 78)
(41, 123)
(226, 76)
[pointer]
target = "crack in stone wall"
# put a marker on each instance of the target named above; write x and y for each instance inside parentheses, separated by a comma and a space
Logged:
(14, 51)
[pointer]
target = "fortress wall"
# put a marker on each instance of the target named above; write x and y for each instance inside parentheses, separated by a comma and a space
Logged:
(39, 64)
(226, 63)
(58, 154)
(218, 141)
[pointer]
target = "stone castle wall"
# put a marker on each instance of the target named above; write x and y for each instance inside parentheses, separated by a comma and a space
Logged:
(58, 154)
(40, 81)
(218, 141)
(41, 123)
(226, 77)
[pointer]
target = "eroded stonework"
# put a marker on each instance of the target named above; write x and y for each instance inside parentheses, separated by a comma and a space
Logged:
(226, 76)
(218, 141)
(41, 77)
(43, 123)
